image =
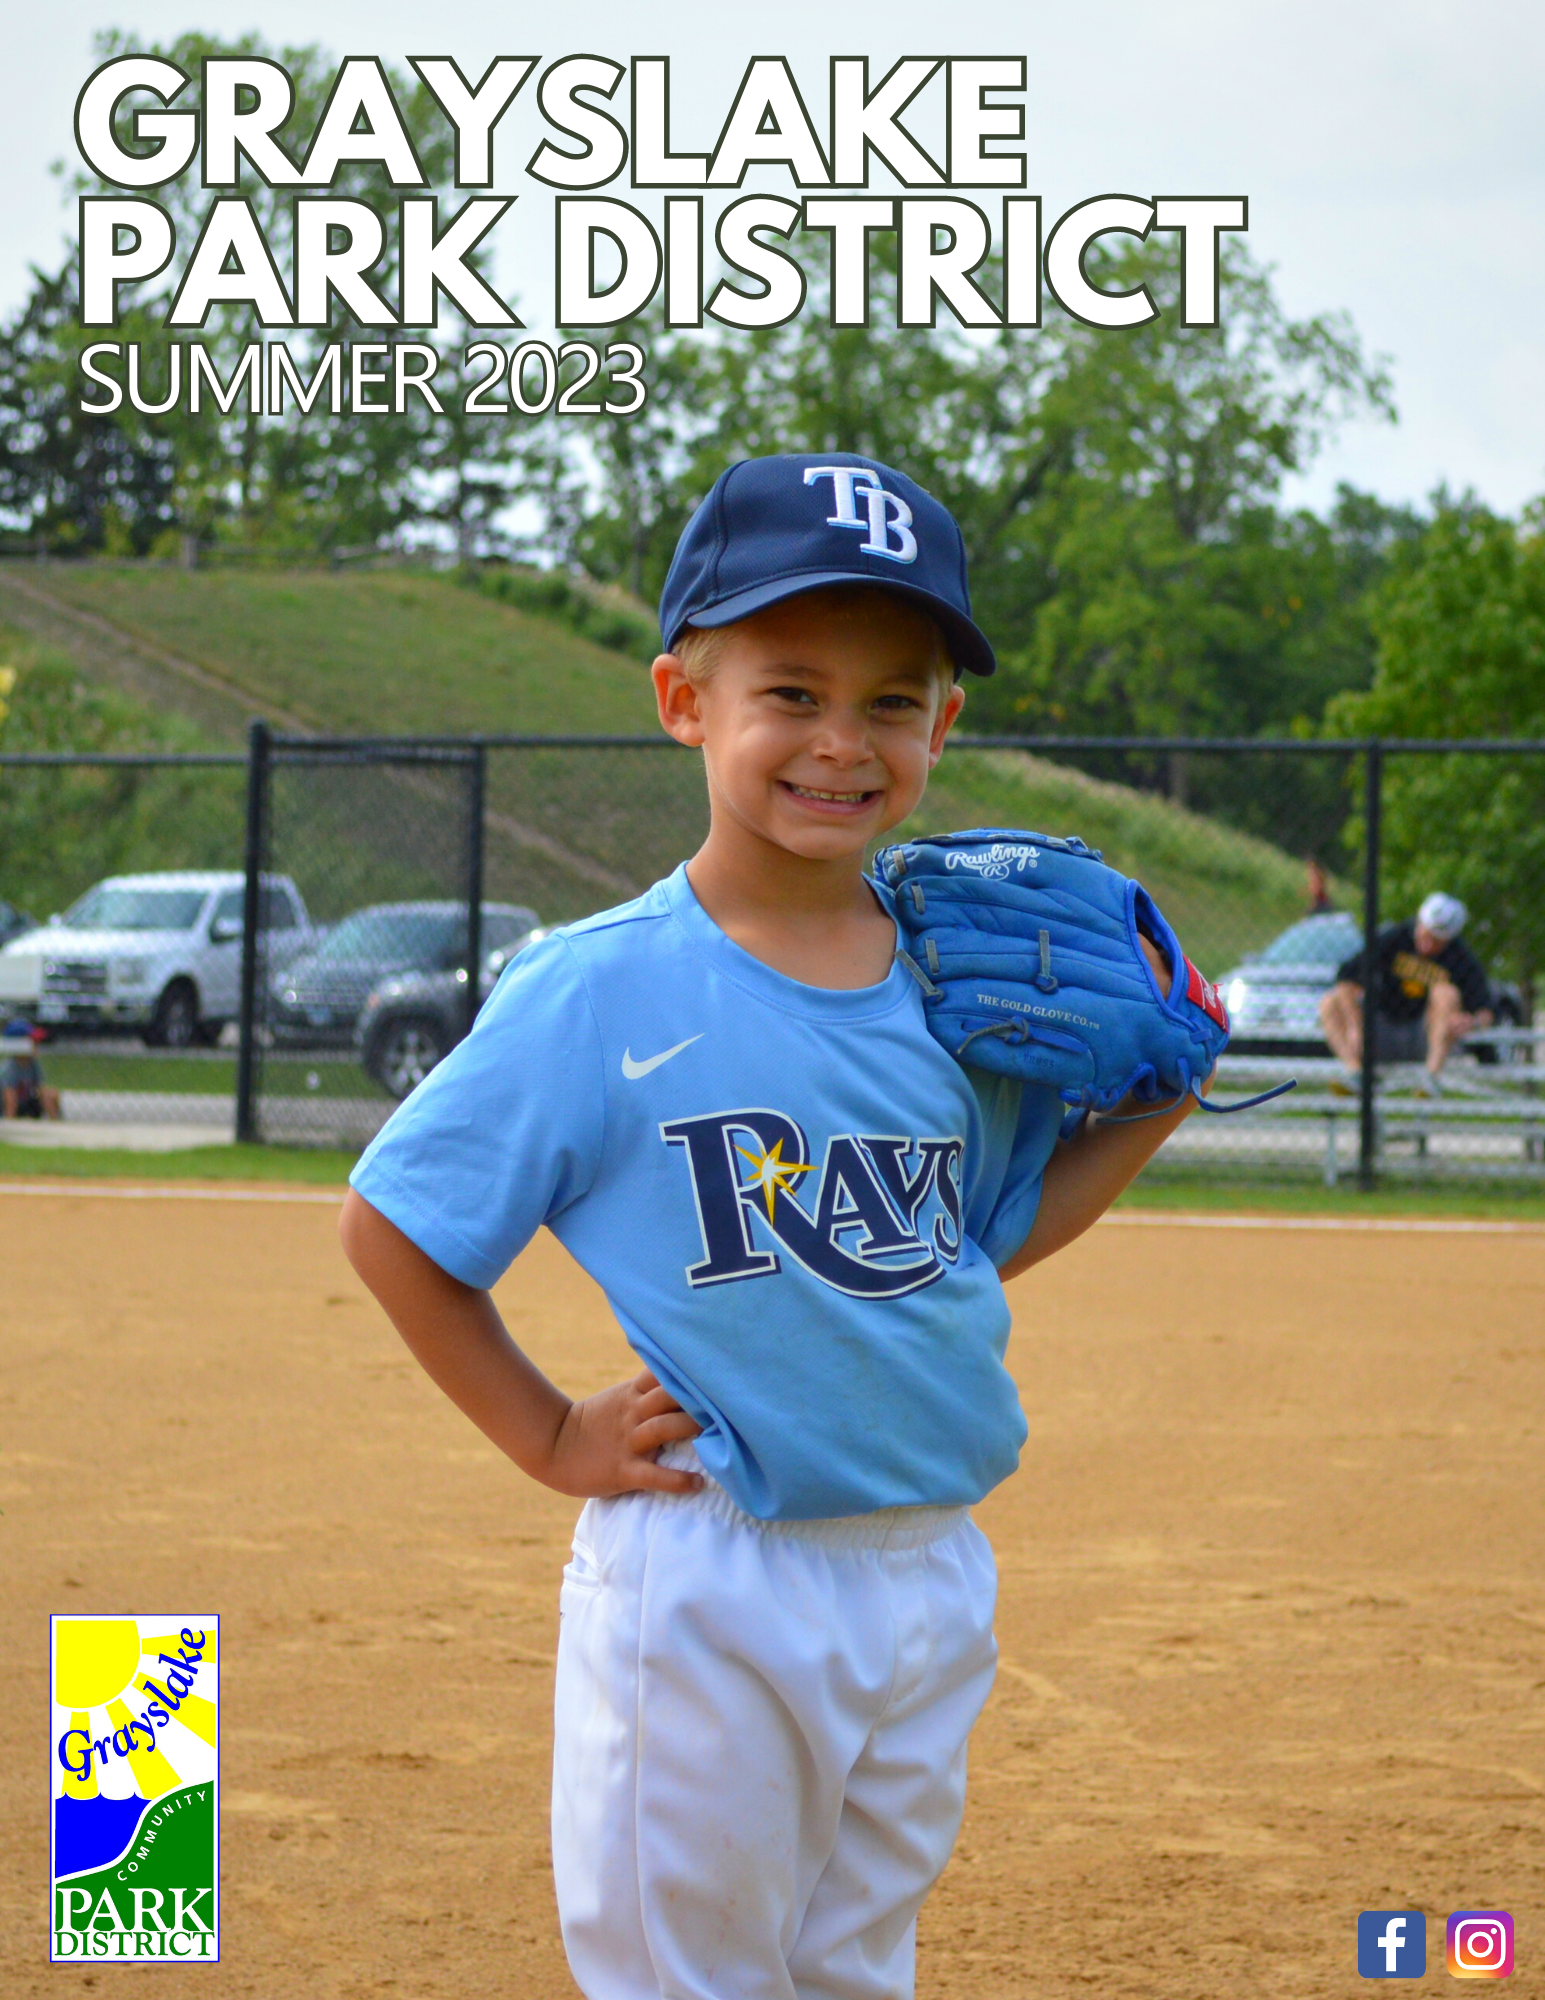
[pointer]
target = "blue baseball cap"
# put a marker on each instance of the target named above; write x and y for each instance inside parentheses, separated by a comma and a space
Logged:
(774, 527)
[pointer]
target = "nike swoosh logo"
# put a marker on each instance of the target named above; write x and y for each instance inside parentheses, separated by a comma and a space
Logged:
(634, 1070)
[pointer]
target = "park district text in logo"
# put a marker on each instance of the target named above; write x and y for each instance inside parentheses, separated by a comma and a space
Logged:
(134, 1752)
(883, 1213)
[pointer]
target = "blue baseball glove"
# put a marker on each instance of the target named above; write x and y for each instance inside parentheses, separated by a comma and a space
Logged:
(1026, 948)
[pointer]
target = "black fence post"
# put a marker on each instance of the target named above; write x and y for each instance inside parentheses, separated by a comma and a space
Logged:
(477, 780)
(251, 922)
(1368, 1127)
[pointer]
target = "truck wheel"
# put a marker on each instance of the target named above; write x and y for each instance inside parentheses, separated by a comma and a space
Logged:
(175, 1021)
(401, 1053)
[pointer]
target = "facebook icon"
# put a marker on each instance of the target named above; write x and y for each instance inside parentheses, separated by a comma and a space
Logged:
(1391, 1944)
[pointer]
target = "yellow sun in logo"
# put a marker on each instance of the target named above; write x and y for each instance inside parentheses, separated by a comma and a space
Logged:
(94, 1659)
(771, 1173)
(103, 1664)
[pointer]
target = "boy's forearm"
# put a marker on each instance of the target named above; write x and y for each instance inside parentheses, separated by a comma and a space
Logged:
(455, 1333)
(1084, 1176)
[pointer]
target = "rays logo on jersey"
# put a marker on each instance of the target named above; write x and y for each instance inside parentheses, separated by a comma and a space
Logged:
(880, 1217)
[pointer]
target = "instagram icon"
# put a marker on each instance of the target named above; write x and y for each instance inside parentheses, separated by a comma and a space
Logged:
(1480, 1944)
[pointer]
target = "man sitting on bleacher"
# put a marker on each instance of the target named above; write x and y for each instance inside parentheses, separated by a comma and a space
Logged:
(1432, 991)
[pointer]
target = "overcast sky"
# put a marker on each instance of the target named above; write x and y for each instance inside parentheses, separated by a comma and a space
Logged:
(1393, 154)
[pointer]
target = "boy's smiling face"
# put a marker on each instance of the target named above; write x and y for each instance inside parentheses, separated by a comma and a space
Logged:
(819, 718)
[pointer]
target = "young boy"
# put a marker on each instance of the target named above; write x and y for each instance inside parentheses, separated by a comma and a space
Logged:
(722, 1098)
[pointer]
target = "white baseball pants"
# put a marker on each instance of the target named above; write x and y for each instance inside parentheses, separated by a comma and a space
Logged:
(760, 1753)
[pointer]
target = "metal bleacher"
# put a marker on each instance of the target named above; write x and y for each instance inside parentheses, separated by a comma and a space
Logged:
(1488, 1121)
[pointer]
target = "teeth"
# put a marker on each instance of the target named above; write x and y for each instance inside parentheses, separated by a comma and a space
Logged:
(839, 798)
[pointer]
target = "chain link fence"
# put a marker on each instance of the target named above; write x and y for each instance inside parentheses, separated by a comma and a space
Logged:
(119, 876)
(368, 857)
(282, 944)
(1275, 862)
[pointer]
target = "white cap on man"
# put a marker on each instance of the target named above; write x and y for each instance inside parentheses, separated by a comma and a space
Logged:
(1443, 915)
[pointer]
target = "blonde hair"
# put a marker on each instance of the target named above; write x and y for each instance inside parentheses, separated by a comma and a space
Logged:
(698, 650)
(700, 646)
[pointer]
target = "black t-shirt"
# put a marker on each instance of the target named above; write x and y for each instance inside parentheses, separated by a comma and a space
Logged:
(1407, 976)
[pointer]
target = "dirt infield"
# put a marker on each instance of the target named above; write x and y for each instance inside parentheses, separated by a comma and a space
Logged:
(1273, 1614)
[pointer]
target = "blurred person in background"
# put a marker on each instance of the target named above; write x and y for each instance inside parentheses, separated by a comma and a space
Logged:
(1432, 991)
(23, 1093)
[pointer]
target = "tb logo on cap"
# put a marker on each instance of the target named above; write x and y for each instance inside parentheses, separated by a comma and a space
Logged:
(883, 511)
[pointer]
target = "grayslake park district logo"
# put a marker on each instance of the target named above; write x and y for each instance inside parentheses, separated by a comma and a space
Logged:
(134, 1753)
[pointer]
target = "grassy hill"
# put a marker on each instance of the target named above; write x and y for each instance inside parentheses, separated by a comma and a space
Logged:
(377, 653)
(568, 831)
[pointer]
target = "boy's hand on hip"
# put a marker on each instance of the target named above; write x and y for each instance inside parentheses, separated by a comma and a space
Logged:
(607, 1442)
(604, 1444)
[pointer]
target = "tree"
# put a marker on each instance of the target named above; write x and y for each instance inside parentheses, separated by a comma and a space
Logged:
(63, 829)
(71, 480)
(296, 481)
(1461, 652)
(1116, 491)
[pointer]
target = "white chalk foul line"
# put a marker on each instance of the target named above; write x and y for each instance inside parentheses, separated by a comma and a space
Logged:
(99, 1193)
(1379, 1224)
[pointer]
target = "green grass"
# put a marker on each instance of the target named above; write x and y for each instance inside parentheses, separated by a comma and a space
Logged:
(206, 1075)
(1159, 1191)
(1240, 1193)
(374, 654)
(300, 1165)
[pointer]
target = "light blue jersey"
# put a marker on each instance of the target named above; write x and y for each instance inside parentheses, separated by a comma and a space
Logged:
(793, 1198)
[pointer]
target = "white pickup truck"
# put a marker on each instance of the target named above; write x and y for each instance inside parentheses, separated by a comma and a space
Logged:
(158, 953)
